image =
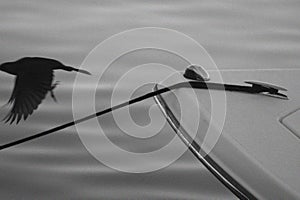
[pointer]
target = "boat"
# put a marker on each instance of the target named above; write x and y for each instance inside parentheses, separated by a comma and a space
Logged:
(247, 133)
(256, 153)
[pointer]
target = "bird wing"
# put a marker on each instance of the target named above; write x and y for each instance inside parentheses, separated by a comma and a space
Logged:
(29, 91)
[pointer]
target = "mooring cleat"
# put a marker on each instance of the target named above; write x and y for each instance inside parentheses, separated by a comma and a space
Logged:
(266, 85)
(268, 89)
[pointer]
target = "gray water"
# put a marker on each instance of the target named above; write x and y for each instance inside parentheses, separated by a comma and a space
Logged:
(237, 34)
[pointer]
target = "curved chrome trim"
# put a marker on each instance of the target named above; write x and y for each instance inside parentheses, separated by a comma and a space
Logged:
(206, 160)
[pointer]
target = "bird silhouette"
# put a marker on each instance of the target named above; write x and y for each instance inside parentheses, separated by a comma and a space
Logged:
(34, 79)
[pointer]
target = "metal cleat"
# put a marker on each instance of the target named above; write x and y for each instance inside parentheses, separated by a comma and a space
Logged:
(267, 89)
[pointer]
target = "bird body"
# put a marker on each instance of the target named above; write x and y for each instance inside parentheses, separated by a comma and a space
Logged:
(34, 79)
(34, 65)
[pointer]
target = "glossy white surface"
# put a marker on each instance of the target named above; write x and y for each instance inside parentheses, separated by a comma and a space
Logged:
(254, 147)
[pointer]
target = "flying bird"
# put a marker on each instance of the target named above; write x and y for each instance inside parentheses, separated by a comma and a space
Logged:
(34, 79)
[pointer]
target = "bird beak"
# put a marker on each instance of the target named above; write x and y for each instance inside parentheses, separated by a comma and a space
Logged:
(84, 71)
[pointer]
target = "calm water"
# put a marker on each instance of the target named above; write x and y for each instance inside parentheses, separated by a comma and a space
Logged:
(238, 35)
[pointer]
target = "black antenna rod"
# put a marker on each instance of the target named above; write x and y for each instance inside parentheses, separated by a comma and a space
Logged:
(188, 84)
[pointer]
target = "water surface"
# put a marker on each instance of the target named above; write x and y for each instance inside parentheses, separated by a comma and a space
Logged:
(238, 35)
